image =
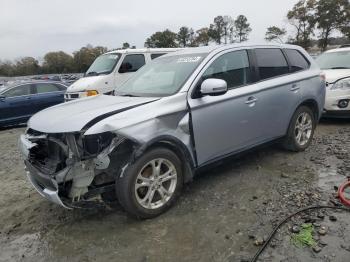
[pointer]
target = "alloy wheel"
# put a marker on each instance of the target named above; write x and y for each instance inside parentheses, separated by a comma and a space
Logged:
(303, 128)
(155, 183)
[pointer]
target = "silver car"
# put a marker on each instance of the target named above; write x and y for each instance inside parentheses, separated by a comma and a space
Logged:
(177, 114)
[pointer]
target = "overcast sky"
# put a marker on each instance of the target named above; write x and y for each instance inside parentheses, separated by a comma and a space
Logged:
(34, 27)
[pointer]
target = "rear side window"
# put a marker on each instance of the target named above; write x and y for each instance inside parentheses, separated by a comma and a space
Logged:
(271, 63)
(232, 67)
(154, 56)
(18, 91)
(46, 88)
(132, 63)
(296, 60)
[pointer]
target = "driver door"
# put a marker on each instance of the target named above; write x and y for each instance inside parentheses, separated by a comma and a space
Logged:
(229, 122)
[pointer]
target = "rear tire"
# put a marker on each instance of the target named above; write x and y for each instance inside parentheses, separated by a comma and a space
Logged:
(301, 130)
(150, 185)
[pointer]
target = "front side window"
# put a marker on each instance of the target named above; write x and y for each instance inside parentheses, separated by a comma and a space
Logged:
(103, 64)
(271, 62)
(46, 88)
(297, 61)
(232, 67)
(334, 60)
(163, 76)
(132, 63)
(18, 91)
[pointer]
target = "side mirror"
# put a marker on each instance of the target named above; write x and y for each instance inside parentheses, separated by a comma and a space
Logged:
(213, 87)
(2, 98)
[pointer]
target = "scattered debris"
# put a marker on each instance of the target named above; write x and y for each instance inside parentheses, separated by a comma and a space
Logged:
(332, 218)
(316, 249)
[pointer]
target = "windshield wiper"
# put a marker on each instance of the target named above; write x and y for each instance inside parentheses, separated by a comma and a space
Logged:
(340, 67)
(129, 95)
(92, 73)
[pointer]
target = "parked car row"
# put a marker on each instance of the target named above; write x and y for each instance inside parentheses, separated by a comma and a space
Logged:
(19, 101)
(66, 79)
(178, 114)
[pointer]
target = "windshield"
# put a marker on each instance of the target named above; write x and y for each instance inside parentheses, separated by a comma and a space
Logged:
(103, 64)
(163, 76)
(336, 60)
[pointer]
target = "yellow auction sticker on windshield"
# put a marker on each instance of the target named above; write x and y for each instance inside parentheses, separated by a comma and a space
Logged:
(188, 59)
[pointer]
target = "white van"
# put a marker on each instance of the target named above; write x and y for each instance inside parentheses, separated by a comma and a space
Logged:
(112, 69)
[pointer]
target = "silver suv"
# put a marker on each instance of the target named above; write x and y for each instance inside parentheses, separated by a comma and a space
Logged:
(177, 114)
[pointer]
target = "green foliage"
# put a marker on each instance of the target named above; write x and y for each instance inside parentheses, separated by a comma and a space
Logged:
(242, 28)
(202, 36)
(162, 39)
(331, 15)
(126, 45)
(183, 36)
(54, 62)
(275, 33)
(216, 29)
(57, 62)
(324, 16)
(304, 237)
(83, 58)
(302, 18)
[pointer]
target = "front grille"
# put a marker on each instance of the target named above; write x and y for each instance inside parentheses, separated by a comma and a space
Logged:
(71, 95)
(74, 96)
(48, 156)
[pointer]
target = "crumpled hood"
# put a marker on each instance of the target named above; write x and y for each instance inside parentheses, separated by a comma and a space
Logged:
(333, 75)
(75, 115)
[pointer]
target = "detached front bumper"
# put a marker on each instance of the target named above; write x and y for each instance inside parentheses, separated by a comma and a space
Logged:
(43, 183)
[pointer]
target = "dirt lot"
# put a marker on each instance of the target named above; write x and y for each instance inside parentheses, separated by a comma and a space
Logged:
(218, 218)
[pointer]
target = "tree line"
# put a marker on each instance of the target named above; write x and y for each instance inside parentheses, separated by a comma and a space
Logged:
(223, 30)
(309, 19)
(56, 62)
(314, 18)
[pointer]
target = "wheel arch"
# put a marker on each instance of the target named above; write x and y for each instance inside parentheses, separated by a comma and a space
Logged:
(175, 145)
(313, 105)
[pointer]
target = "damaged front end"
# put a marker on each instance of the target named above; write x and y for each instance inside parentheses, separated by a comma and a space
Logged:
(71, 169)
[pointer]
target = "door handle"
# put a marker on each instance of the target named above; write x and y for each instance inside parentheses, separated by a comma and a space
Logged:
(295, 87)
(251, 100)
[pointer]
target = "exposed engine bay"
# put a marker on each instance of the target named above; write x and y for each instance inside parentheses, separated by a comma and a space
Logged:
(78, 167)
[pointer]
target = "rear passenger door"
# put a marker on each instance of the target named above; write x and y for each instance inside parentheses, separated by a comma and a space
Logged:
(130, 64)
(278, 90)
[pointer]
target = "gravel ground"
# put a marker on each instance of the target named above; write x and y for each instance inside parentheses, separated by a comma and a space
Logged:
(223, 215)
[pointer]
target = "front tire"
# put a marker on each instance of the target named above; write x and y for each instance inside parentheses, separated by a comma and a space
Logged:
(151, 185)
(301, 130)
